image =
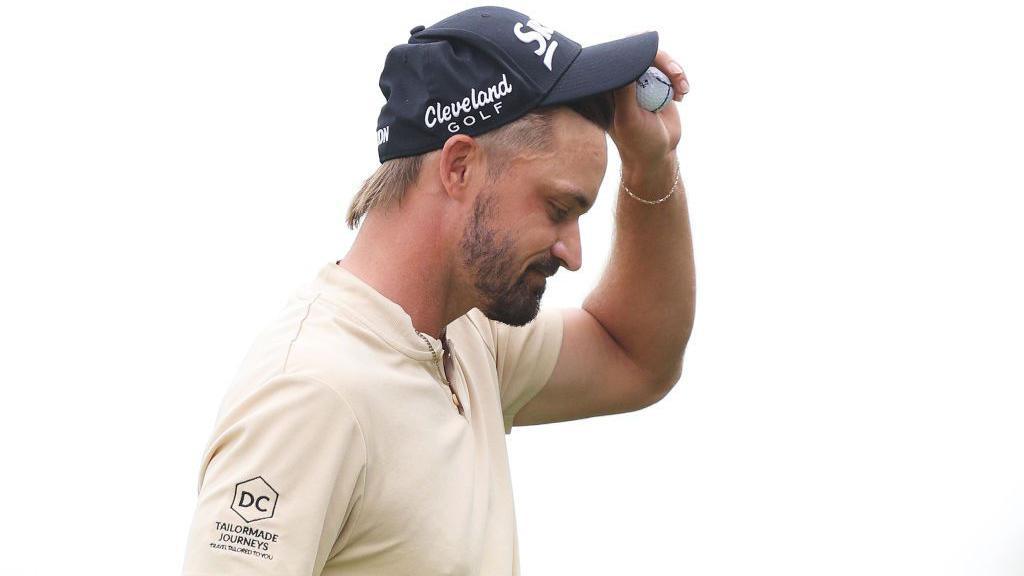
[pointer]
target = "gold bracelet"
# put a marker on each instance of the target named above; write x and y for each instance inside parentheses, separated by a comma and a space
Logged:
(675, 183)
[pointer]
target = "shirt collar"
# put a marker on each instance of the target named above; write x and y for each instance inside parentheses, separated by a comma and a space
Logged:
(375, 311)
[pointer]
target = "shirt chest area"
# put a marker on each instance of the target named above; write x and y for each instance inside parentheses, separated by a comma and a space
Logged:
(437, 485)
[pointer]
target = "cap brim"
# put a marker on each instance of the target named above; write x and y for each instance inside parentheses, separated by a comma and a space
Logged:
(605, 66)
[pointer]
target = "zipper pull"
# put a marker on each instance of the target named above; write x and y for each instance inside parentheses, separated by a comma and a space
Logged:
(440, 370)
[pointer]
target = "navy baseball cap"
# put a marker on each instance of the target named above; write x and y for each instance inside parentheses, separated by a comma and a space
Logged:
(487, 66)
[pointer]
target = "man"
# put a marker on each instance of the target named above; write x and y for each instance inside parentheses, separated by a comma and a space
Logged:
(365, 431)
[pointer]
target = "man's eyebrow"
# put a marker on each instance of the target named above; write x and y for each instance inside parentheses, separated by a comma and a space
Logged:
(577, 195)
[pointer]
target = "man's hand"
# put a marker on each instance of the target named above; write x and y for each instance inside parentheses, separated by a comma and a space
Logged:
(645, 138)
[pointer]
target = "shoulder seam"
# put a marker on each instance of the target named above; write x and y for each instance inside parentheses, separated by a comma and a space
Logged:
(488, 343)
(298, 331)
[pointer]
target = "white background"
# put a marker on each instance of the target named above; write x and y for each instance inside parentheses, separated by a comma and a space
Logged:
(852, 394)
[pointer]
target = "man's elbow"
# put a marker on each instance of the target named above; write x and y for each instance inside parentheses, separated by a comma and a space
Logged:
(666, 381)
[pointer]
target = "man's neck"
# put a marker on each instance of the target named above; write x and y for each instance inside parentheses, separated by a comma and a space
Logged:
(394, 259)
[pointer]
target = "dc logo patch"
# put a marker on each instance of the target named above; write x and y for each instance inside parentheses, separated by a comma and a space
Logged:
(254, 500)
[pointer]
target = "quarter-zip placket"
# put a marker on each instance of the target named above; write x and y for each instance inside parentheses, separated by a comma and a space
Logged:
(440, 370)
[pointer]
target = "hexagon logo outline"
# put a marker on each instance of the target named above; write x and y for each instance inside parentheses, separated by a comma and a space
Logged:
(261, 497)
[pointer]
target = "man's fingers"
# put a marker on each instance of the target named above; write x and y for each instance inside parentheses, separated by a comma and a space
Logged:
(680, 85)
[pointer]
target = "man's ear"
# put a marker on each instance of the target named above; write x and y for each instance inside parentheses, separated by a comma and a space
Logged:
(461, 166)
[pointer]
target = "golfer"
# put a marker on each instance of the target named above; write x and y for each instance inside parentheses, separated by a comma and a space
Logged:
(364, 434)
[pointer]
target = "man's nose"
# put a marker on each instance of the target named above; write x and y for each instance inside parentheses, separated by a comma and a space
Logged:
(567, 249)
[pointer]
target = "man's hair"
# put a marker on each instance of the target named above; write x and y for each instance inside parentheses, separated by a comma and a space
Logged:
(533, 131)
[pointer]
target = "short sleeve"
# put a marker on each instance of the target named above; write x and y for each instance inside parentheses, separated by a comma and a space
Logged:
(281, 482)
(525, 357)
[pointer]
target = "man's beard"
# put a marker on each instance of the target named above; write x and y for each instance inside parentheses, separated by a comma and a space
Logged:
(488, 255)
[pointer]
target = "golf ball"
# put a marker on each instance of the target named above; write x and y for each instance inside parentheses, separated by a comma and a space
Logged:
(653, 90)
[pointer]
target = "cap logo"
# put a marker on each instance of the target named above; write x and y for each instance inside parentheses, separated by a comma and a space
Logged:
(476, 103)
(540, 34)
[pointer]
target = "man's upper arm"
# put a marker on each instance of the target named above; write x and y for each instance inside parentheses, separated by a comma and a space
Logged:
(593, 376)
(281, 482)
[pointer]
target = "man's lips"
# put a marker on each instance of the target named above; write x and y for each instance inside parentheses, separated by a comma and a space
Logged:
(535, 278)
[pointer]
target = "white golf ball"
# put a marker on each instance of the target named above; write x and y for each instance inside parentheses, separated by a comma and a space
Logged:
(653, 90)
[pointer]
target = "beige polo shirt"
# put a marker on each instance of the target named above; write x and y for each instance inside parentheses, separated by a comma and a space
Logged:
(339, 450)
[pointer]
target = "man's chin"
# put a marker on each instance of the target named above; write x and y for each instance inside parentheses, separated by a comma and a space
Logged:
(516, 321)
(517, 313)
